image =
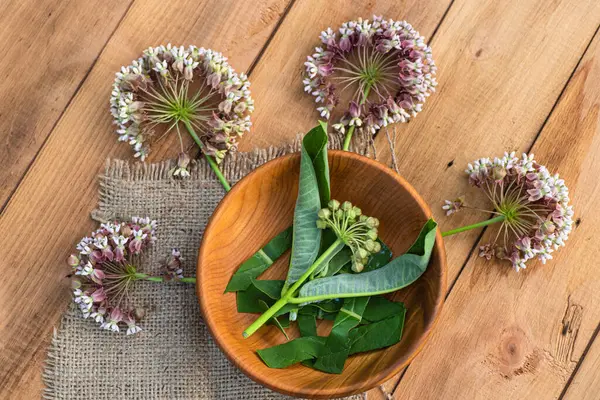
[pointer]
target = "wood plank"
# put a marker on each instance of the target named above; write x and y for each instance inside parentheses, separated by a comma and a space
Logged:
(282, 108)
(520, 335)
(47, 49)
(501, 69)
(586, 382)
(50, 210)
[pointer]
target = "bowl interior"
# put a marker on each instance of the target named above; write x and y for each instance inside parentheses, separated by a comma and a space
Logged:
(262, 205)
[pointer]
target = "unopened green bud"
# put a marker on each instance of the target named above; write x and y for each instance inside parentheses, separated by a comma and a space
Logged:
(321, 224)
(339, 214)
(346, 206)
(357, 211)
(324, 213)
(73, 260)
(362, 253)
(370, 245)
(363, 218)
(498, 173)
(351, 214)
(372, 234)
(377, 247)
(334, 205)
(357, 267)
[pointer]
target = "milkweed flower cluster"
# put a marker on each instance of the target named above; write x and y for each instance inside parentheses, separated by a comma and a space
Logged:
(385, 65)
(168, 86)
(534, 204)
(104, 269)
(357, 231)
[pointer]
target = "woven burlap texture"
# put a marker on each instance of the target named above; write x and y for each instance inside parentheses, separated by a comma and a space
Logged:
(174, 356)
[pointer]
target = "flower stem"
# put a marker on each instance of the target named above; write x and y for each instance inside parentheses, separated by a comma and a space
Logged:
(348, 137)
(267, 315)
(150, 278)
(213, 164)
(490, 221)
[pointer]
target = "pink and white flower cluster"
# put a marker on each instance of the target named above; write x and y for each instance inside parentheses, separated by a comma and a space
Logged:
(157, 89)
(534, 202)
(104, 269)
(386, 63)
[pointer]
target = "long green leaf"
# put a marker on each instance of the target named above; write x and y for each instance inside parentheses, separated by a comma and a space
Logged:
(315, 143)
(292, 352)
(260, 261)
(398, 273)
(314, 173)
(307, 237)
(337, 346)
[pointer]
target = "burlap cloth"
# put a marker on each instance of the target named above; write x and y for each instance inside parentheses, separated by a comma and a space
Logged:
(174, 356)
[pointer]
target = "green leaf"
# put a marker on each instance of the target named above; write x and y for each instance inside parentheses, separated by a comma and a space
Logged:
(260, 261)
(342, 260)
(337, 346)
(380, 308)
(292, 352)
(307, 237)
(320, 309)
(398, 273)
(344, 257)
(377, 335)
(379, 259)
(307, 324)
(315, 143)
(275, 321)
(268, 291)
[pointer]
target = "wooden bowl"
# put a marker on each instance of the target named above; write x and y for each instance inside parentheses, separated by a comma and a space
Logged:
(260, 206)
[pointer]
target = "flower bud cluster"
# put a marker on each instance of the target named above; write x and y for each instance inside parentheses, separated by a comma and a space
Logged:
(357, 231)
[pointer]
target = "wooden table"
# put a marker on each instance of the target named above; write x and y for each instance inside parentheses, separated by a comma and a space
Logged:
(518, 75)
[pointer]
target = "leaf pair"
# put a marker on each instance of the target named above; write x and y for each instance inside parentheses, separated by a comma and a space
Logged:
(347, 337)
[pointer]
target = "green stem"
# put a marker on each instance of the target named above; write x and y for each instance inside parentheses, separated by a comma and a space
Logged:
(490, 221)
(213, 164)
(267, 315)
(150, 278)
(348, 137)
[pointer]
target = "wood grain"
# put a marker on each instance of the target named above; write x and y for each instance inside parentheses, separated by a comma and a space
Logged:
(50, 210)
(47, 49)
(586, 383)
(520, 335)
(282, 108)
(232, 236)
(483, 100)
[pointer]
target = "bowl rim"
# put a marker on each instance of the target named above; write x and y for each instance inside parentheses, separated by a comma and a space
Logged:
(351, 388)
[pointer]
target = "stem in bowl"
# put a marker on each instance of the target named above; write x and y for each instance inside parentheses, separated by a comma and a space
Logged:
(213, 164)
(289, 294)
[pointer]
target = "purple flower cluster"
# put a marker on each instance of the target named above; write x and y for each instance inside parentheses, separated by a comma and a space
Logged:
(104, 268)
(534, 203)
(157, 89)
(387, 64)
